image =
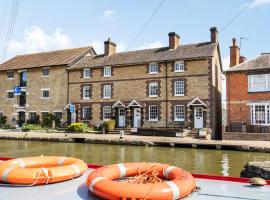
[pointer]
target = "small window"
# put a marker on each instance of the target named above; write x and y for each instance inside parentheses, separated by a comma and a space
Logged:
(10, 74)
(107, 91)
(58, 115)
(87, 73)
(153, 113)
(179, 113)
(45, 72)
(32, 115)
(107, 112)
(86, 113)
(44, 115)
(179, 88)
(259, 83)
(153, 89)
(179, 66)
(10, 95)
(45, 93)
(107, 71)
(86, 92)
(153, 68)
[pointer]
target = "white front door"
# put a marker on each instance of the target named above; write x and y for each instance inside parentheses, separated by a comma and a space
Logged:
(137, 118)
(121, 117)
(198, 117)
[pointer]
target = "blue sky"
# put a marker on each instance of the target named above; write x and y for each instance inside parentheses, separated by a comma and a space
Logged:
(51, 24)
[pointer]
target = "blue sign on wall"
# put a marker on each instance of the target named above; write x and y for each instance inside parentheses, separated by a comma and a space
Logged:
(72, 108)
(17, 90)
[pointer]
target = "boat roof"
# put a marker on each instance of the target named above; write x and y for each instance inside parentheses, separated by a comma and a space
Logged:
(77, 189)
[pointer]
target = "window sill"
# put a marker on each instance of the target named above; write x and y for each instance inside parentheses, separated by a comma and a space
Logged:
(179, 95)
(86, 77)
(106, 76)
(153, 120)
(179, 71)
(153, 96)
(86, 98)
(179, 120)
(45, 98)
(10, 79)
(45, 76)
(106, 97)
(151, 73)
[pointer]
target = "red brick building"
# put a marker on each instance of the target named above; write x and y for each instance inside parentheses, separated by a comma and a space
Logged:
(248, 96)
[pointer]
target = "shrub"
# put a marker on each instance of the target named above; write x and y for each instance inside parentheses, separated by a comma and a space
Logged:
(109, 125)
(79, 128)
(29, 127)
(8, 126)
(3, 119)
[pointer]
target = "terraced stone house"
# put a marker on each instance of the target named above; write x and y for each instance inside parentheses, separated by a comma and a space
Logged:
(37, 84)
(174, 86)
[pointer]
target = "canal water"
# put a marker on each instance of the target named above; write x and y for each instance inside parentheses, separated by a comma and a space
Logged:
(217, 162)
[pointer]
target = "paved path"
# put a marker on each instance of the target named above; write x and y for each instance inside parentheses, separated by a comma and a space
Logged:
(263, 146)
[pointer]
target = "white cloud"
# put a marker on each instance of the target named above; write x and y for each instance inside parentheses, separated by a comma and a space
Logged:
(154, 44)
(108, 14)
(257, 3)
(35, 39)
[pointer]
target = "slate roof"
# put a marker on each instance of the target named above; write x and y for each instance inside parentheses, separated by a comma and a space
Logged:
(259, 63)
(44, 59)
(189, 51)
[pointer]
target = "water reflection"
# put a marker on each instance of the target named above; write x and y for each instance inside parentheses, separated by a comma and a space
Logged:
(219, 162)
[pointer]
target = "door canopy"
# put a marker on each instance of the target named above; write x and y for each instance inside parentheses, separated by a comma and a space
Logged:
(118, 104)
(134, 103)
(196, 102)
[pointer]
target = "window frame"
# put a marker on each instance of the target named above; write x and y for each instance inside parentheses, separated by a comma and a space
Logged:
(150, 107)
(104, 114)
(153, 84)
(84, 92)
(83, 114)
(48, 71)
(45, 90)
(105, 95)
(153, 65)
(181, 65)
(10, 78)
(266, 114)
(84, 73)
(105, 71)
(251, 86)
(8, 92)
(42, 113)
(175, 116)
(175, 88)
(30, 114)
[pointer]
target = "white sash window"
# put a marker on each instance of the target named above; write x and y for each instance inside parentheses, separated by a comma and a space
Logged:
(260, 114)
(259, 83)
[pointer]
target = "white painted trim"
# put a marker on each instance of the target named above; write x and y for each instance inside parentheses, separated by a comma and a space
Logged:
(194, 100)
(131, 104)
(118, 103)
(42, 89)
(22, 70)
(104, 69)
(178, 120)
(44, 111)
(153, 120)
(87, 77)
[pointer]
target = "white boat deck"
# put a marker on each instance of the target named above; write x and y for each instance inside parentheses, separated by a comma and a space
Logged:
(77, 190)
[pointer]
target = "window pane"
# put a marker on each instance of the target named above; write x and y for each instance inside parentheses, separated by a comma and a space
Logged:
(153, 68)
(86, 91)
(107, 91)
(179, 66)
(179, 88)
(45, 72)
(179, 113)
(259, 83)
(45, 93)
(153, 112)
(107, 71)
(153, 89)
(86, 113)
(10, 74)
(106, 112)
(260, 114)
(86, 73)
(10, 95)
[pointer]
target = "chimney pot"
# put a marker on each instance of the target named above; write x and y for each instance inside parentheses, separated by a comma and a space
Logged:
(174, 40)
(242, 59)
(109, 47)
(214, 34)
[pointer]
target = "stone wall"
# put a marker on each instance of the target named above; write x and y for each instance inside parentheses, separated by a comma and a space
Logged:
(246, 136)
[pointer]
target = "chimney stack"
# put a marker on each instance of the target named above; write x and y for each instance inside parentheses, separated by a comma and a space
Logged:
(109, 47)
(214, 34)
(234, 53)
(174, 40)
(242, 59)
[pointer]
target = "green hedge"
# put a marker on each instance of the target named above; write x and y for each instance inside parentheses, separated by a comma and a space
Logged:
(30, 127)
(3, 120)
(109, 125)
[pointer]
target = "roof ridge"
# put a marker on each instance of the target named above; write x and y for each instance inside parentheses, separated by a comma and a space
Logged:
(53, 51)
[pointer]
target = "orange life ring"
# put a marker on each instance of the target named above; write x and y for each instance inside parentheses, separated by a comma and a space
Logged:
(179, 183)
(41, 170)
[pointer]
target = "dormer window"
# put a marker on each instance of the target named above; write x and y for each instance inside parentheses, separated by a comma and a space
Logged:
(107, 72)
(153, 68)
(45, 72)
(179, 66)
(87, 73)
